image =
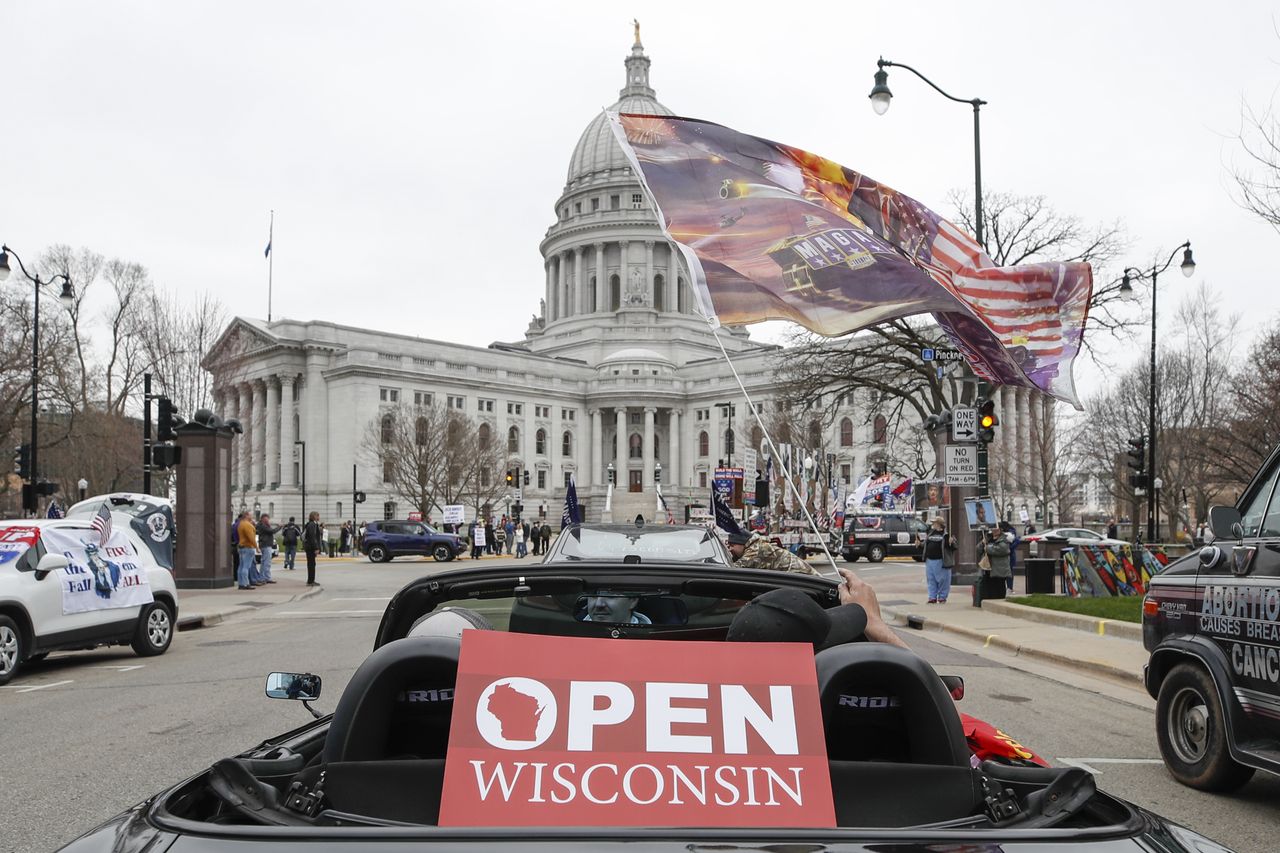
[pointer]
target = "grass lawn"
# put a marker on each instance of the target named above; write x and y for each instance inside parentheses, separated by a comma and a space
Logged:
(1123, 608)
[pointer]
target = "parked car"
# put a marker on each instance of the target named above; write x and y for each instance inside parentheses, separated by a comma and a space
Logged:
(1070, 536)
(50, 602)
(876, 535)
(371, 773)
(1211, 621)
(385, 540)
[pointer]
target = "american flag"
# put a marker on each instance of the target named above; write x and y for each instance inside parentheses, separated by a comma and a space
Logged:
(102, 523)
(55, 511)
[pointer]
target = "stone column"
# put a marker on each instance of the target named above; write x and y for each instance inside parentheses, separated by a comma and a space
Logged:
(1023, 422)
(646, 449)
(315, 430)
(245, 409)
(272, 434)
(1008, 412)
(676, 477)
(582, 304)
(259, 464)
(597, 443)
(287, 434)
(624, 271)
(648, 273)
(620, 445)
(566, 307)
(551, 290)
(602, 280)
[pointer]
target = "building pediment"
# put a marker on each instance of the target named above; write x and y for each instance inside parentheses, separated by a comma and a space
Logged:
(242, 339)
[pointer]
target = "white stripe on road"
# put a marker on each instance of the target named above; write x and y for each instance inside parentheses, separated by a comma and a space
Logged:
(124, 668)
(328, 612)
(18, 688)
(1086, 764)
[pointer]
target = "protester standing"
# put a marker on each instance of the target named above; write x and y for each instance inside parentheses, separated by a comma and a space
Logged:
(1011, 535)
(937, 545)
(489, 540)
(247, 543)
(266, 545)
(546, 537)
(517, 533)
(312, 541)
(344, 537)
(290, 534)
(510, 529)
(996, 550)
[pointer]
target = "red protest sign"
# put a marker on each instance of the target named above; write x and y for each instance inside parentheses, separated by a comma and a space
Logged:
(569, 731)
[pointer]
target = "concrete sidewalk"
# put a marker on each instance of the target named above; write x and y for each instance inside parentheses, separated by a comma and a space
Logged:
(1094, 646)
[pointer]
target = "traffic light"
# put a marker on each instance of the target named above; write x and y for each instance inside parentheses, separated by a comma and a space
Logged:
(22, 461)
(987, 421)
(510, 478)
(167, 420)
(1137, 460)
(165, 455)
(526, 476)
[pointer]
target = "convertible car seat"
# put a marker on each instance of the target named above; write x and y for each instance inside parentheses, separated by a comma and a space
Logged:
(384, 754)
(896, 749)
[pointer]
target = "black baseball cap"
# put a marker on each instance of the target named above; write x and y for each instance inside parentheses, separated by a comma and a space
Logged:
(792, 616)
(737, 537)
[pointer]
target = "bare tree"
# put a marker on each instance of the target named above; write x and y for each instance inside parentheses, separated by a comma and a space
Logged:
(176, 335)
(1252, 430)
(1257, 178)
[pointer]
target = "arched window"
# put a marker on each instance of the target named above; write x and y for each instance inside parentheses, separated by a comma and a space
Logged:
(615, 292)
(540, 442)
(659, 293)
(566, 444)
(420, 432)
(388, 429)
(592, 296)
(656, 455)
(880, 430)
(484, 436)
(513, 440)
(704, 444)
(637, 446)
(815, 435)
(846, 432)
(729, 441)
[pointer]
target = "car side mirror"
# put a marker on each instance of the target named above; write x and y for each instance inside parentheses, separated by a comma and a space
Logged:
(50, 563)
(1225, 522)
(293, 685)
(954, 685)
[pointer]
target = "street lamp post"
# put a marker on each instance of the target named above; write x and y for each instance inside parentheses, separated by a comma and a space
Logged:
(67, 297)
(84, 487)
(1188, 268)
(303, 471)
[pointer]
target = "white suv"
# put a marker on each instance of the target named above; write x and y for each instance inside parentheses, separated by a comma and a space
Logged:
(49, 601)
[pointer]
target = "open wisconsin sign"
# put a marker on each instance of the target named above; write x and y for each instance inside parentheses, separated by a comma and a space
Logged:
(596, 732)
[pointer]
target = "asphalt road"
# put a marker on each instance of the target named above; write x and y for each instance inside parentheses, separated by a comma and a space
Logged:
(105, 729)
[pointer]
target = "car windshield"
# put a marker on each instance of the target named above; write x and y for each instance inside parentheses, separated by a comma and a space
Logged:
(646, 544)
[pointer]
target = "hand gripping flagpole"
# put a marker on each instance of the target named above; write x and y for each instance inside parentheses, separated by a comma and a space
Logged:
(773, 449)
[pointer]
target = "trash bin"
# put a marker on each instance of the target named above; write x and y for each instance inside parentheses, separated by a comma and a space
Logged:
(1040, 574)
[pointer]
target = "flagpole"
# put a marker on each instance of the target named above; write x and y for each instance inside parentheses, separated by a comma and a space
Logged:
(271, 261)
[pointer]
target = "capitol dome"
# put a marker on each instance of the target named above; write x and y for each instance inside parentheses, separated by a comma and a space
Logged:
(597, 152)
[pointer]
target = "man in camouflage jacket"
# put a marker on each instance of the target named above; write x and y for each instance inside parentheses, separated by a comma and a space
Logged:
(751, 551)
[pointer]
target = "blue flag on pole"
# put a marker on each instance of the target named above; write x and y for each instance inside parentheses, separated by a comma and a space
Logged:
(571, 513)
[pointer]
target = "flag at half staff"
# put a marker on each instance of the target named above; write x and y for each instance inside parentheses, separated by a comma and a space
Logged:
(571, 513)
(772, 232)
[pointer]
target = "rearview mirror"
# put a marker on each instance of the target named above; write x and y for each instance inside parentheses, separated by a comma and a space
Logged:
(954, 685)
(293, 685)
(50, 563)
(1225, 522)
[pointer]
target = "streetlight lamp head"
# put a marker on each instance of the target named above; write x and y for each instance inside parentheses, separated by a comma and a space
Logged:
(68, 296)
(1188, 263)
(1127, 292)
(880, 94)
(83, 484)
(4, 265)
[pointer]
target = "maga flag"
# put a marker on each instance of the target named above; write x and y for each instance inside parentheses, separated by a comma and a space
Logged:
(570, 514)
(772, 232)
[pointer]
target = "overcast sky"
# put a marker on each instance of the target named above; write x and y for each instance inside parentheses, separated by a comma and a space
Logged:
(413, 151)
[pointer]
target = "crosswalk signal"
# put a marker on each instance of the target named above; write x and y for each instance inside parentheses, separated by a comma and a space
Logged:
(22, 461)
(987, 421)
(1137, 460)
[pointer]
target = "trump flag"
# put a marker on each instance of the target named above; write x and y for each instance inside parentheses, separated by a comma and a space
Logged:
(771, 232)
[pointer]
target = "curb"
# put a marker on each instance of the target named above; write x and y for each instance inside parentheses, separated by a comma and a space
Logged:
(906, 619)
(1063, 619)
(208, 620)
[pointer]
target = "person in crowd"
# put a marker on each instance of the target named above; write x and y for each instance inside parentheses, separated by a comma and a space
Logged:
(546, 536)
(1014, 541)
(996, 548)
(937, 544)
(490, 542)
(517, 533)
(344, 537)
(476, 532)
(1112, 529)
(360, 531)
(266, 546)
(752, 551)
(324, 540)
(509, 528)
(247, 545)
(499, 537)
(312, 541)
(289, 535)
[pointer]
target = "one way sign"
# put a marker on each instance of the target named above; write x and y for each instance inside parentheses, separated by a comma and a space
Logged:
(964, 424)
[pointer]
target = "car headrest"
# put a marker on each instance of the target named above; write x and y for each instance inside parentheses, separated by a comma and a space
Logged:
(884, 703)
(398, 703)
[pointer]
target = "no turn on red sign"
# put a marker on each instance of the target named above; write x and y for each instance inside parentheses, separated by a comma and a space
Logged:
(566, 731)
(960, 464)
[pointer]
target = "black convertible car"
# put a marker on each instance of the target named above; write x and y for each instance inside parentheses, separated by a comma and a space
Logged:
(369, 776)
